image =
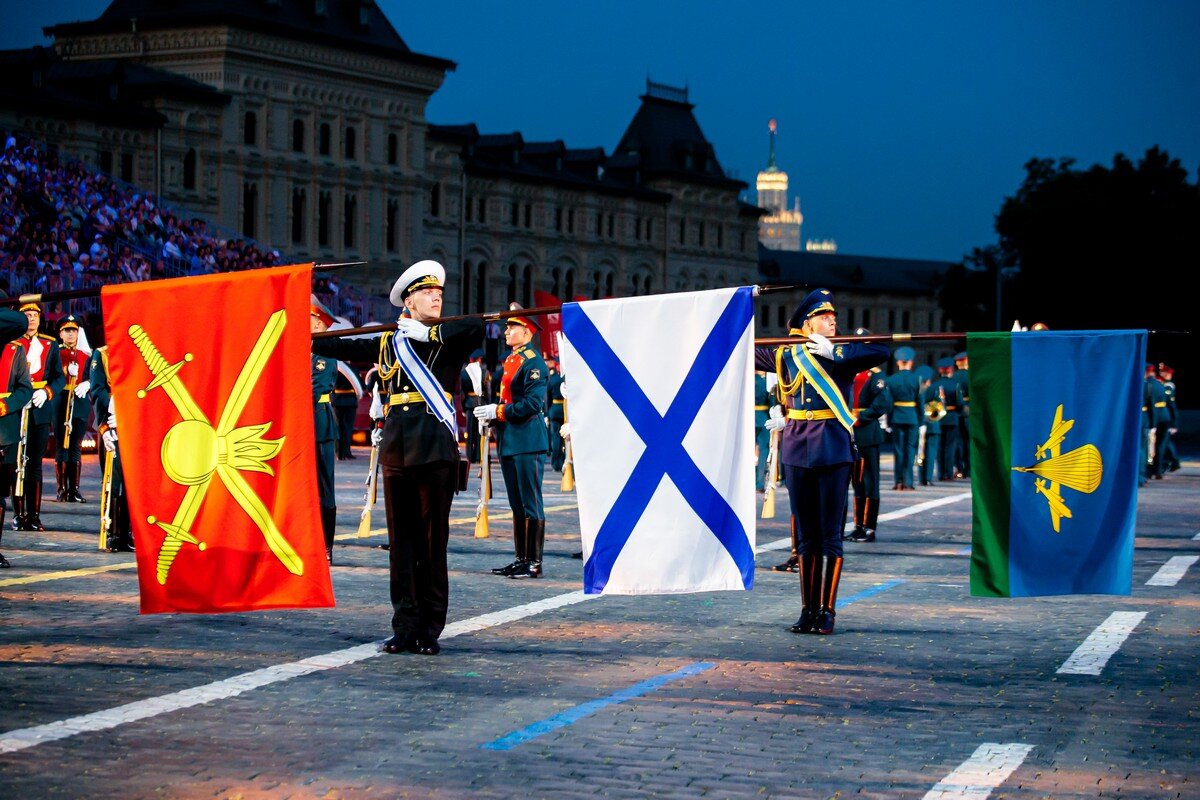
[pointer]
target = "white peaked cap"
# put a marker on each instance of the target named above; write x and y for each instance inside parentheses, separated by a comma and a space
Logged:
(433, 273)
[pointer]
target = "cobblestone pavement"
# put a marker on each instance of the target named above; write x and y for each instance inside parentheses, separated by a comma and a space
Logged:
(704, 695)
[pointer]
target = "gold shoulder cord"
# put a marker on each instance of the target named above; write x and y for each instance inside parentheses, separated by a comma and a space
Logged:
(388, 365)
(784, 388)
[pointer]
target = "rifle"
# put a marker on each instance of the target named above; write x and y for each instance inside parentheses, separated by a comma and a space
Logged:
(22, 455)
(772, 478)
(364, 521)
(106, 498)
(485, 484)
(568, 481)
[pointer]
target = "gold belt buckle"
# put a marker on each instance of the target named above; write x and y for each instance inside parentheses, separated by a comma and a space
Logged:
(808, 415)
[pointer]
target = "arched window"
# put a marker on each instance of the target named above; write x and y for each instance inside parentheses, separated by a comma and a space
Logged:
(324, 139)
(435, 200)
(596, 283)
(569, 290)
(393, 214)
(348, 219)
(324, 201)
(608, 285)
(298, 206)
(297, 136)
(481, 281)
(393, 149)
(634, 284)
(189, 169)
(351, 144)
(249, 208)
(512, 282)
(250, 128)
(556, 274)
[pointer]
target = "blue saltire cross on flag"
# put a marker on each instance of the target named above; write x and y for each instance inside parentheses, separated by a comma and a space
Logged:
(660, 401)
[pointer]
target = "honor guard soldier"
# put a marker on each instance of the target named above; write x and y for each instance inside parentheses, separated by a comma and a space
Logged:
(325, 425)
(117, 521)
(557, 414)
(345, 408)
(46, 373)
(904, 416)
(471, 381)
(72, 411)
(871, 404)
(929, 438)
(1156, 422)
(949, 390)
(962, 461)
(816, 448)
(17, 390)
(1166, 375)
(419, 366)
(522, 444)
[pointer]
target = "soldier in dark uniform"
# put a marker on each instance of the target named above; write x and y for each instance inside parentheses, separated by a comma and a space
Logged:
(120, 529)
(520, 422)
(46, 373)
(816, 448)
(71, 403)
(1154, 407)
(950, 392)
(762, 436)
(325, 425)
(905, 416)
(344, 401)
(872, 403)
(471, 380)
(557, 414)
(419, 448)
(17, 389)
(962, 375)
(930, 432)
(1166, 375)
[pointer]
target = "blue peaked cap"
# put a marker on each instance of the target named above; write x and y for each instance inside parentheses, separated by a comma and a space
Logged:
(945, 363)
(924, 373)
(905, 353)
(818, 301)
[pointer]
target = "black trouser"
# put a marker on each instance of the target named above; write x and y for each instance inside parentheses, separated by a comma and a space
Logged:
(120, 528)
(418, 500)
(932, 459)
(947, 463)
(345, 428)
(523, 484)
(469, 404)
(1162, 440)
(818, 499)
(865, 480)
(558, 445)
(325, 459)
(72, 452)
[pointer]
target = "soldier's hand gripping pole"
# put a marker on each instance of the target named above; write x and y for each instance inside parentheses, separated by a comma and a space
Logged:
(485, 483)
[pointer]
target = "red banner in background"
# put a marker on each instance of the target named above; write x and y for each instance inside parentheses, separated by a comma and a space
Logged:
(212, 383)
(551, 323)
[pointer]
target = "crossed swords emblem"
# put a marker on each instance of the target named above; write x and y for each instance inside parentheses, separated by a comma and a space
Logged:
(193, 451)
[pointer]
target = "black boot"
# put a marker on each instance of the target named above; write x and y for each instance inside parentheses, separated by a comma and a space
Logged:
(3, 561)
(18, 520)
(60, 474)
(829, 588)
(535, 537)
(810, 582)
(33, 507)
(73, 471)
(328, 523)
(518, 548)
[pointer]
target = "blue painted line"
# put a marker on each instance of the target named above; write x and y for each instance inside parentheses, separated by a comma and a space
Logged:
(966, 551)
(874, 590)
(561, 720)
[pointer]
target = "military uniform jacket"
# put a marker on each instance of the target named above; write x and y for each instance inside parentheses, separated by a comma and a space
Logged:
(1172, 409)
(964, 390)
(80, 411)
(344, 395)
(762, 400)
(933, 427)
(520, 419)
(46, 372)
(1154, 404)
(873, 402)
(17, 391)
(99, 392)
(324, 375)
(905, 388)
(557, 403)
(412, 435)
(826, 442)
(949, 391)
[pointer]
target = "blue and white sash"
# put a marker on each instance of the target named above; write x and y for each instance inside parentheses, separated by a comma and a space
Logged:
(425, 382)
(815, 374)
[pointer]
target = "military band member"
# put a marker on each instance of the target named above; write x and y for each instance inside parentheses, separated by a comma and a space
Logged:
(962, 375)
(71, 402)
(871, 404)
(325, 426)
(120, 531)
(556, 412)
(950, 392)
(816, 448)
(930, 430)
(419, 449)
(1157, 420)
(1166, 375)
(762, 436)
(17, 390)
(522, 444)
(904, 416)
(46, 373)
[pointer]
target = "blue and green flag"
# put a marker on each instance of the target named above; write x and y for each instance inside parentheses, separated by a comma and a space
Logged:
(1055, 421)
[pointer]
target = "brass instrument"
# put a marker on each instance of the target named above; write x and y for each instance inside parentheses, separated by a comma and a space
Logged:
(935, 410)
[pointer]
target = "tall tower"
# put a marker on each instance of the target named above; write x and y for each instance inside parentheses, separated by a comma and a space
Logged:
(780, 228)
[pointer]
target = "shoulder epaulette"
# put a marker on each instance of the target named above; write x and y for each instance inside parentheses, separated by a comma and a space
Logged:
(47, 338)
(528, 353)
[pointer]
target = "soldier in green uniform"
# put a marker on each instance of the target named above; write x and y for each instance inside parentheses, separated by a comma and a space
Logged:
(120, 530)
(71, 406)
(17, 390)
(962, 375)
(762, 436)
(1166, 375)
(46, 373)
(1157, 419)
(523, 442)
(419, 367)
(871, 404)
(905, 416)
(950, 393)
(557, 414)
(324, 378)
(929, 434)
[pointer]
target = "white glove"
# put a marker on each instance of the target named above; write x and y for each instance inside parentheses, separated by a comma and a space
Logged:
(411, 329)
(376, 411)
(485, 413)
(109, 438)
(112, 419)
(776, 419)
(82, 389)
(818, 345)
(376, 437)
(564, 430)
(883, 423)
(73, 370)
(39, 398)
(921, 429)
(562, 387)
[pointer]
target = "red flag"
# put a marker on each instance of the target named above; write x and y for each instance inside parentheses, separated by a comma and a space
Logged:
(212, 385)
(552, 322)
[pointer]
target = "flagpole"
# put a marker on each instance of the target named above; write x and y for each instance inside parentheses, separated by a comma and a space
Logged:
(77, 294)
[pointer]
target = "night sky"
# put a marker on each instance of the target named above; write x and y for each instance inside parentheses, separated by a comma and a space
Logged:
(902, 126)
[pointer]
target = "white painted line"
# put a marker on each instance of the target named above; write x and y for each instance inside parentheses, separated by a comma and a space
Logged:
(1091, 656)
(24, 738)
(988, 767)
(786, 544)
(1196, 538)
(1170, 573)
